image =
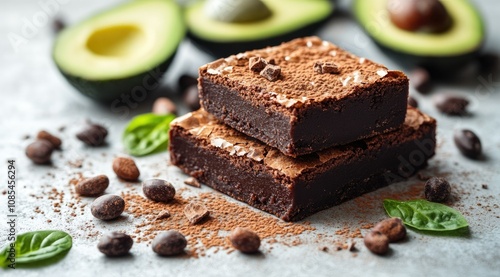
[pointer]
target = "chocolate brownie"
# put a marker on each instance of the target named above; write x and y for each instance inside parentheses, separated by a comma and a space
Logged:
(293, 188)
(304, 96)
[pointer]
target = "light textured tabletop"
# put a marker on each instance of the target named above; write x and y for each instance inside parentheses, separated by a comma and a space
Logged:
(34, 96)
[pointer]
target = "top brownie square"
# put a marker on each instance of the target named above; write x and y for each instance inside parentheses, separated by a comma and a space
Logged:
(304, 95)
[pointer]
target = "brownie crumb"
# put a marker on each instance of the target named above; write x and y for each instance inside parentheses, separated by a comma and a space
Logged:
(192, 182)
(257, 64)
(326, 67)
(271, 72)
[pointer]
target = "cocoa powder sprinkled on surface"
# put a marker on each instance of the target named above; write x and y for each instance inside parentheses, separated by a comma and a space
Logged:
(224, 217)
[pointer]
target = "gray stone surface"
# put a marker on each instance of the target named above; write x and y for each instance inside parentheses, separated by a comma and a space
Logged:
(34, 96)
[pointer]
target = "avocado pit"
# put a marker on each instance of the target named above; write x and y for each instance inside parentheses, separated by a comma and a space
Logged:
(237, 11)
(419, 15)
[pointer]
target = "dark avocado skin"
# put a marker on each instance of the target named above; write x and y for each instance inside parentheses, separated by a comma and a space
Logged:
(437, 66)
(106, 91)
(224, 49)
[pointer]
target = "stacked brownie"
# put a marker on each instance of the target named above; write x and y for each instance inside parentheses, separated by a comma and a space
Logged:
(300, 127)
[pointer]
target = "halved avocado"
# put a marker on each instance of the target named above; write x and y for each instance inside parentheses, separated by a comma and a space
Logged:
(446, 50)
(121, 50)
(288, 19)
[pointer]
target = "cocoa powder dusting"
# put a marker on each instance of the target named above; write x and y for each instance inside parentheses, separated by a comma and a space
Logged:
(224, 217)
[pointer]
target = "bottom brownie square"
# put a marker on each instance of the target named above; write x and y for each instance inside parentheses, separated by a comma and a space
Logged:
(293, 188)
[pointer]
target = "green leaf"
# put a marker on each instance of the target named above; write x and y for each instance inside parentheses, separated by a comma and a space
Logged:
(425, 215)
(147, 134)
(33, 247)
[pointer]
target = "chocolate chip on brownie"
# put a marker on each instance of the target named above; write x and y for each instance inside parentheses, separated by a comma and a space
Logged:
(271, 72)
(257, 64)
(326, 67)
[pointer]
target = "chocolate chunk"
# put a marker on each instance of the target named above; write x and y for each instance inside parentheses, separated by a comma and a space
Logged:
(107, 207)
(158, 190)
(191, 98)
(451, 104)
(468, 143)
(40, 151)
(195, 212)
(245, 240)
(377, 242)
(484, 186)
(115, 244)
(56, 142)
(412, 102)
(437, 189)
(420, 79)
(257, 64)
(93, 135)
(126, 169)
(192, 182)
(169, 243)
(92, 186)
(393, 228)
(164, 105)
(271, 72)
(163, 215)
(326, 67)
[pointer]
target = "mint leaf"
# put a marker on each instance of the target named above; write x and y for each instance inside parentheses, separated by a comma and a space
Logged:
(37, 246)
(425, 215)
(147, 134)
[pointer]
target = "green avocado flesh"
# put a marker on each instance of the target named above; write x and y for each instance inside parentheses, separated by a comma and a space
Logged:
(113, 52)
(286, 16)
(464, 36)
